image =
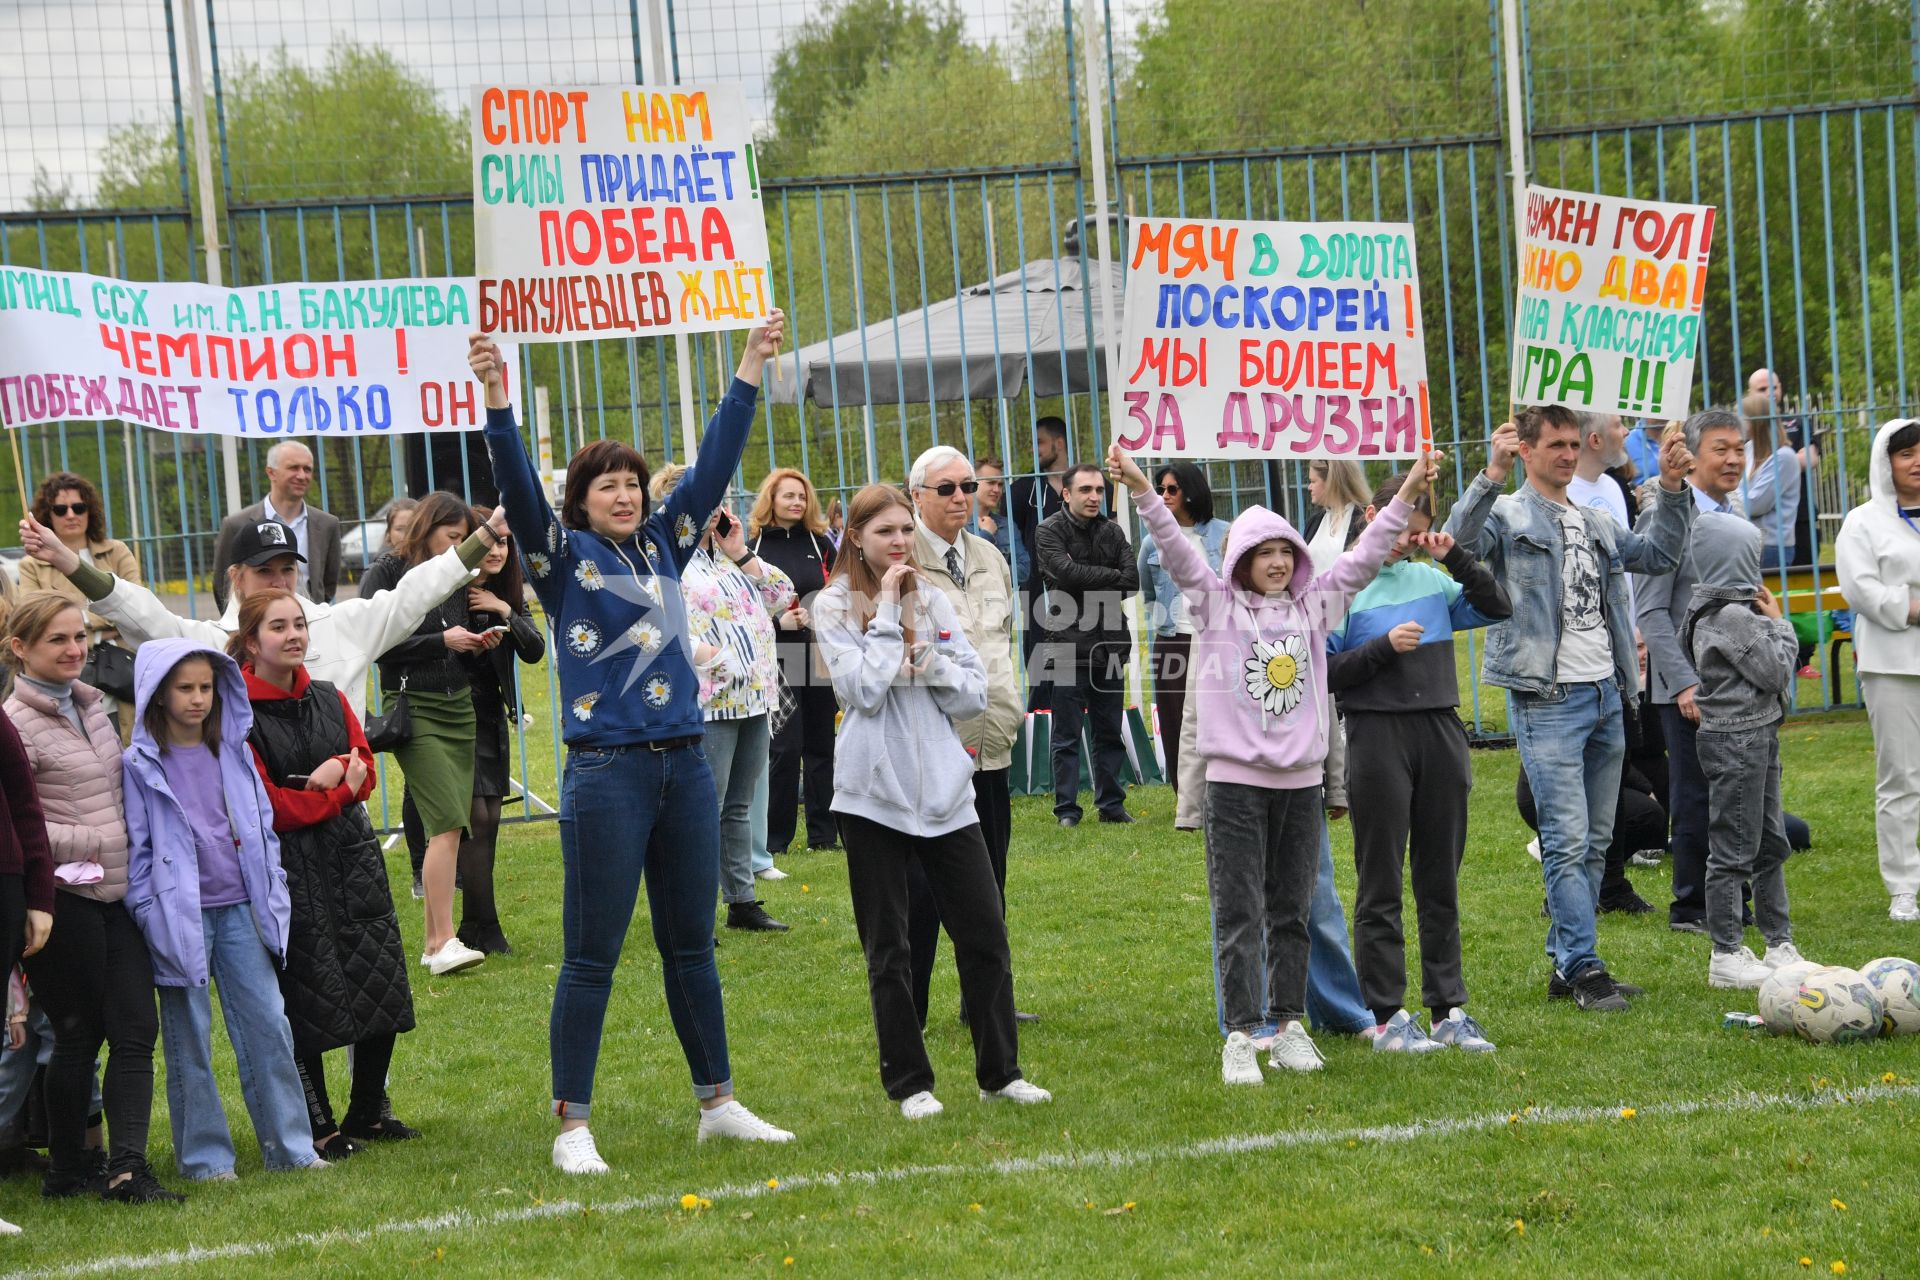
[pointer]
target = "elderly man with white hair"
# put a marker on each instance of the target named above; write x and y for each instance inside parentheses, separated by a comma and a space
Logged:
(316, 533)
(975, 578)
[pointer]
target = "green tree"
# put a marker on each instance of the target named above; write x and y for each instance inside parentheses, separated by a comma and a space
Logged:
(832, 56)
(360, 124)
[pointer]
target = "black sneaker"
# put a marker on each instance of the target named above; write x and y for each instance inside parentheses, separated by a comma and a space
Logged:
(1596, 992)
(1118, 815)
(1558, 988)
(336, 1147)
(753, 917)
(385, 1128)
(141, 1188)
(1688, 926)
(1626, 902)
(90, 1179)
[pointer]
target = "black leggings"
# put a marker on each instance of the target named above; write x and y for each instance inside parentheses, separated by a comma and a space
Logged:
(94, 978)
(479, 917)
(371, 1058)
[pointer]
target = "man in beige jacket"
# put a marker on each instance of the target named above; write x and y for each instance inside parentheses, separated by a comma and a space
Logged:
(975, 578)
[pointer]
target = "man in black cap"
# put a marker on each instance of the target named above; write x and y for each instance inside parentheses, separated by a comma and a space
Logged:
(342, 639)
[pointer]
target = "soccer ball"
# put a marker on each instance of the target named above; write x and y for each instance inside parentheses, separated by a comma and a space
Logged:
(1779, 992)
(1837, 1006)
(1897, 983)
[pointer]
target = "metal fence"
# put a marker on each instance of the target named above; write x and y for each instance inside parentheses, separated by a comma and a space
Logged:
(951, 146)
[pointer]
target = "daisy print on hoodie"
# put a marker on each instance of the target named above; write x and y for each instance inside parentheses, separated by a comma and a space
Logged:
(1277, 673)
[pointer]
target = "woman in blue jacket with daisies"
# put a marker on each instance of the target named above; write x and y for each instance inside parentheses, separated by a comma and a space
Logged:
(637, 800)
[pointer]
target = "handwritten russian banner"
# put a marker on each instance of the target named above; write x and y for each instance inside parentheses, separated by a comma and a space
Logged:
(616, 210)
(1273, 340)
(1608, 317)
(370, 357)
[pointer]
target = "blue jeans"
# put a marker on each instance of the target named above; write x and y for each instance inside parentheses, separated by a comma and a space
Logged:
(1572, 746)
(628, 813)
(757, 822)
(240, 964)
(1333, 988)
(737, 753)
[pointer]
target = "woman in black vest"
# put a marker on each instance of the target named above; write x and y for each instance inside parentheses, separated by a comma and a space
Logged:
(346, 977)
(787, 530)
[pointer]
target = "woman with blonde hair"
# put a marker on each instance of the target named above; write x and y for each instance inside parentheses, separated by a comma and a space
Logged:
(787, 530)
(903, 668)
(1338, 487)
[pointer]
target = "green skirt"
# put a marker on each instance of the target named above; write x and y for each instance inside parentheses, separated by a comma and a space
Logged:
(438, 759)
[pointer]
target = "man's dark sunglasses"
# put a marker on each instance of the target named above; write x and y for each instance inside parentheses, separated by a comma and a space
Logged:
(946, 487)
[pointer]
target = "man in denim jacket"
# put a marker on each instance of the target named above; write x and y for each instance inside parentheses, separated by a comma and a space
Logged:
(1566, 659)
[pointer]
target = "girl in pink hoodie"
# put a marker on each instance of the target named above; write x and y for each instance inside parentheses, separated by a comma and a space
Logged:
(1258, 672)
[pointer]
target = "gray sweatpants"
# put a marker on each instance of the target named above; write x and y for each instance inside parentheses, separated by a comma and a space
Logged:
(1746, 833)
(1263, 852)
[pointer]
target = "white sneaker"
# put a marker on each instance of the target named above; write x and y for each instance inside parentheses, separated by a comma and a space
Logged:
(771, 873)
(1782, 954)
(735, 1121)
(8, 1229)
(452, 958)
(1533, 848)
(1262, 1043)
(574, 1152)
(1238, 1061)
(1740, 970)
(1016, 1091)
(1294, 1050)
(1902, 908)
(920, 1106)
(1402, 1034)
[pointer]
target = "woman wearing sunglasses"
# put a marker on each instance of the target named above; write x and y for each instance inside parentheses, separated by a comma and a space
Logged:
(69, 505)
(1183, 487)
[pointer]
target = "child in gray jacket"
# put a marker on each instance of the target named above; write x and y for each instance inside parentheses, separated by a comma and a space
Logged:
(1745, 654)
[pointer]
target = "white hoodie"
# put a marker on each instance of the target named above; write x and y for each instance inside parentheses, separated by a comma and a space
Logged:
(1878, 556)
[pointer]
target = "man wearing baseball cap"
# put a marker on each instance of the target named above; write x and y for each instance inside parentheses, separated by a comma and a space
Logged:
(342, 639)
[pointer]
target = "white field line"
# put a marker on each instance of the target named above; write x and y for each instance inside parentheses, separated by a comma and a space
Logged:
(1237, 1144)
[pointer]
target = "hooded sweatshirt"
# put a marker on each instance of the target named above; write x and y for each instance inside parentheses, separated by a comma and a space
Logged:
(1745, 659)
(163, 865)
(1878, 557)
(1258, 666)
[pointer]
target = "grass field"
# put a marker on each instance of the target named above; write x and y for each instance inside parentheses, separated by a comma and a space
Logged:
(1647, 1143)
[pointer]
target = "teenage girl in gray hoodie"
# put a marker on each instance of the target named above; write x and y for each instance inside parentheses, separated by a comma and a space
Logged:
(904, 671)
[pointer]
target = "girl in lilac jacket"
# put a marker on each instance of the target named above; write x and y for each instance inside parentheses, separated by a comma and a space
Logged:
(205, 885)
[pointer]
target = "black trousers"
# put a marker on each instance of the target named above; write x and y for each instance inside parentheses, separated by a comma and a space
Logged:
(94, 978)
(993, 805)
(1411, 773)
(805, 741)
(1089, 688)
(1171, 658)
(961, 877)
(1687, 810)
(371, 1060)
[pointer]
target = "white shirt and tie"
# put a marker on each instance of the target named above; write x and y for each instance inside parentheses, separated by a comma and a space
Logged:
(952, 558)
(298, 524)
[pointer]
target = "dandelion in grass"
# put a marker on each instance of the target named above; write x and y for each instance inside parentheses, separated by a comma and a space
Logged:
(773, 1184)
(1628, 1113)
(1838, 1203)
(1276, 674)
(689, 1202)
